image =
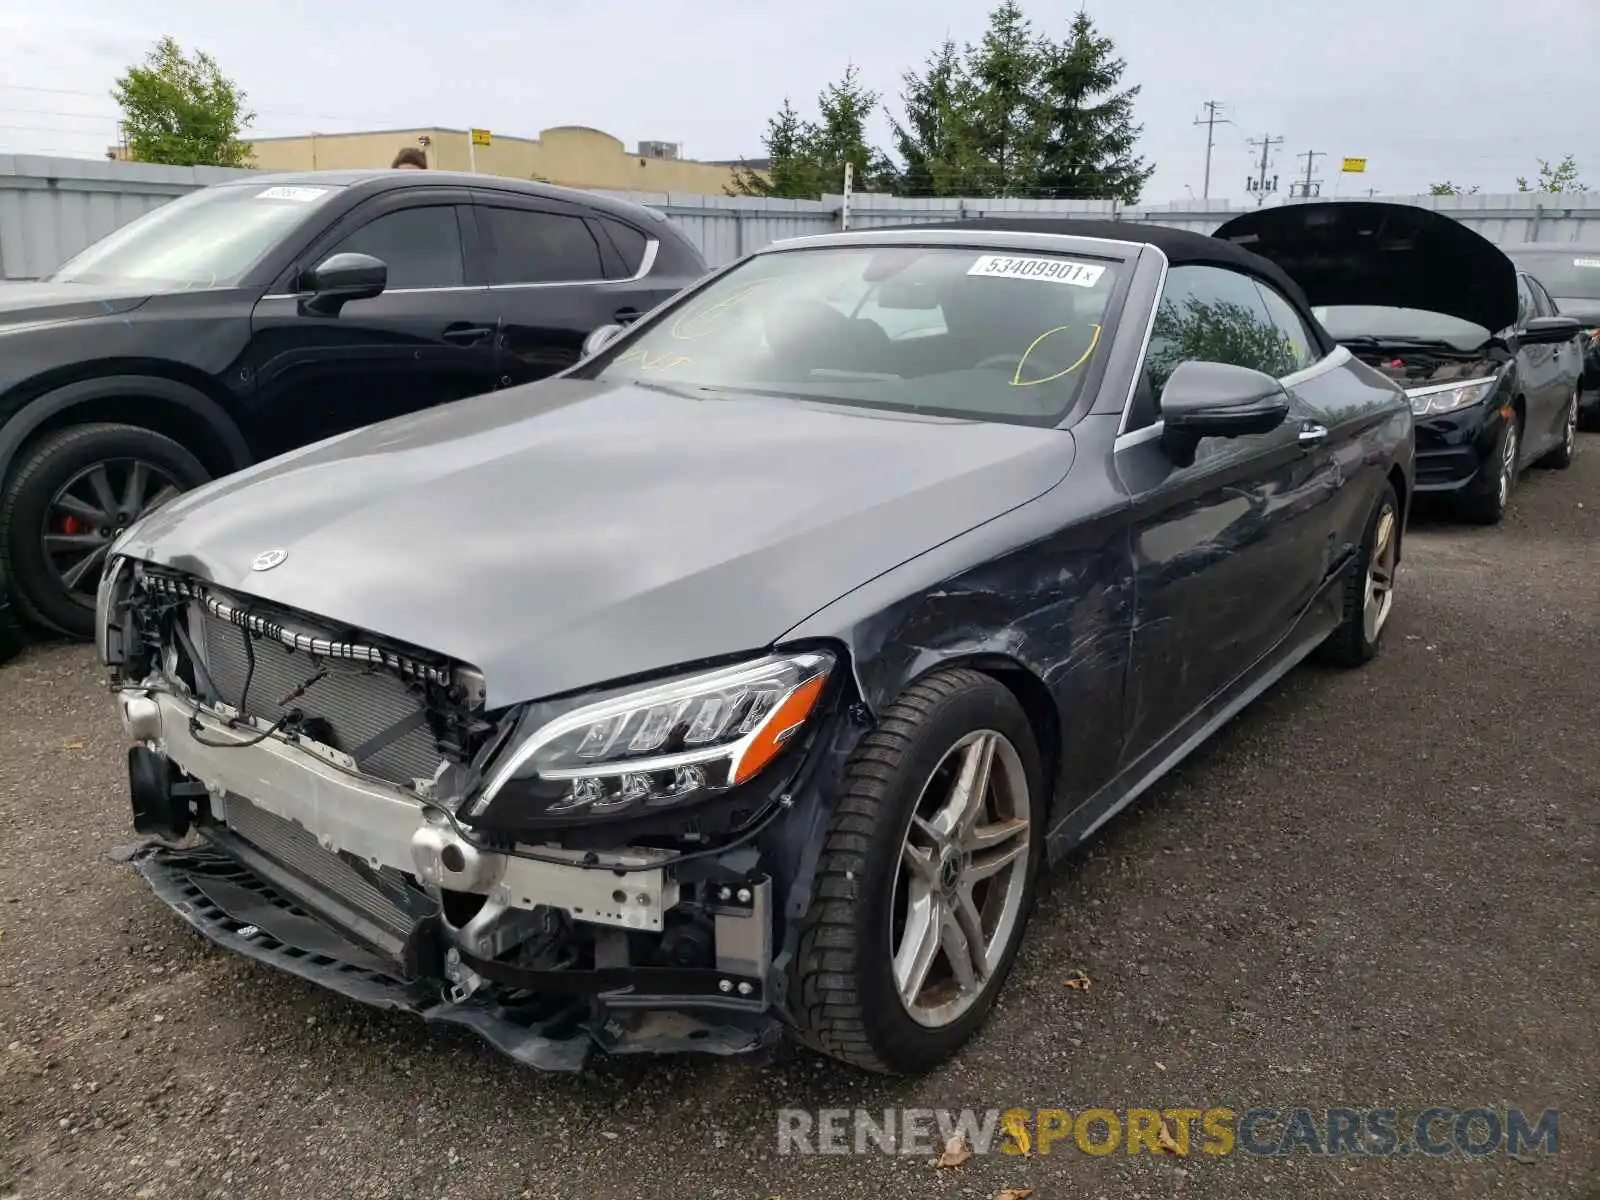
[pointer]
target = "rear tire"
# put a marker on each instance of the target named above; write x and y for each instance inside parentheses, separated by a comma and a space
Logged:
(1368, 589)
(72, 494)
(887, 872)
(1561, 457)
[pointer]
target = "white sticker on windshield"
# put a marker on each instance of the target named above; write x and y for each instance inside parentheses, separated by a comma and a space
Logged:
(1050, 270)
(303, 194)
(1586, 262)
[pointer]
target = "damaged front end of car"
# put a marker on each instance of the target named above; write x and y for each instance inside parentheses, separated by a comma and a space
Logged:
(601, 870)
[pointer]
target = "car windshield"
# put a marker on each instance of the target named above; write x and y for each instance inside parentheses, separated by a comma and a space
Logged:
(1349, 321)
(208, 238)
(954, 332)
(1570, 274)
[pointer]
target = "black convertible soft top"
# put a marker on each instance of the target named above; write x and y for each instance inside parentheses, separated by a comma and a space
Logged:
(1179, 245)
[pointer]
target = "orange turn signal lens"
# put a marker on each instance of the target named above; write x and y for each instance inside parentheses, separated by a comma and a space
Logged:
(774, 732)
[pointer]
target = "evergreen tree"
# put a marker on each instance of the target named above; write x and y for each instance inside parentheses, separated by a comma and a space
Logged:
(840, 137)
(997, 105)
(790, 172)
(1087, 134)
(929, 139)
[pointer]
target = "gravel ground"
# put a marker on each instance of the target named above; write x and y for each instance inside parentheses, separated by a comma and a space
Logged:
(1374, 889)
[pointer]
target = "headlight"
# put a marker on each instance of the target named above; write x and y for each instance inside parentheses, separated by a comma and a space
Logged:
(665, 744)
(1447, 397)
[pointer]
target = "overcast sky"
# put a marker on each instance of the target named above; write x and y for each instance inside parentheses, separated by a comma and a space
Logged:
(1423, 89)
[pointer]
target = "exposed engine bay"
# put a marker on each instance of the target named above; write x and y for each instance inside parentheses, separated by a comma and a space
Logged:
(1415, 366)
(302, 791)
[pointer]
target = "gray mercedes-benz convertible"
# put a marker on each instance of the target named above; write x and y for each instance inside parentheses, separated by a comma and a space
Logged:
(745, 675)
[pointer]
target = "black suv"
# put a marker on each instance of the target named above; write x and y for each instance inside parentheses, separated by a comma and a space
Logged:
(246, 319)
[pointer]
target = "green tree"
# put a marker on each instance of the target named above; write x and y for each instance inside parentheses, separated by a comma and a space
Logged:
(1451, 189)
(840, 137)
(182, 111)
(807, 158)
(997, 106)
(1554, 177)
(790, 172)
(929, 139)
(1087, 135)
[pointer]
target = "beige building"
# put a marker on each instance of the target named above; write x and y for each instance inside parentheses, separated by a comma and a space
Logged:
(572, 155)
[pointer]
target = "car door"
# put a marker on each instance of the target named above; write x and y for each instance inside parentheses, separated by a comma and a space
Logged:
(1539, 368)
(1566, 367)
(556, 274)
(428, 338)
(1230, 550)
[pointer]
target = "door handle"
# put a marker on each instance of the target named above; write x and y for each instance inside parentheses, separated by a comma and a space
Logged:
(1311, 434)
(467, 335)
(626, 316)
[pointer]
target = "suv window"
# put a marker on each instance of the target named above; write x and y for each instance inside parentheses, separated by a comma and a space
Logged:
(537, 247)
(1290, 324)
(1213, 315)
(420, 246)
(630, 243)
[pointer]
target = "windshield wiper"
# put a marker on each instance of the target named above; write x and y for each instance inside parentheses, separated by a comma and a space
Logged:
(1365, 339)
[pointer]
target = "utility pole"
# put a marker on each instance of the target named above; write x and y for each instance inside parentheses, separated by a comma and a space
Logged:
(1211, 121)
(1260, 184)
(1308, 186)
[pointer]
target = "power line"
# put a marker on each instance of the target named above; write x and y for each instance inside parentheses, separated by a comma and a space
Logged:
(1309, 186)
(1260, 184)
(1211, 122)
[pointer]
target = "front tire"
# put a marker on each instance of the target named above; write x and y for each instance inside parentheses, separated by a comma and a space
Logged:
(926, 878)
(1489, 507)
(73, 493)
(1369, 589)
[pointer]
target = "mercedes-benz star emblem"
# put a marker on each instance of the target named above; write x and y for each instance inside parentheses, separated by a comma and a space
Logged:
(268, 559)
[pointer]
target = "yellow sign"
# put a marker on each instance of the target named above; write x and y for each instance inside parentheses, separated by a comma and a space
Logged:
(1354, 166)
(480, 137)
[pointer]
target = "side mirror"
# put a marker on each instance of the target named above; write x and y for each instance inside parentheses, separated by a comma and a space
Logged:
(1210, 399)
(1548, 331)
(600, 338)
(340, 278)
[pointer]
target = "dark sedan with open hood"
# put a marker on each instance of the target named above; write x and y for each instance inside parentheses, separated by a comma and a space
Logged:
(745, 675)
(1492, 371)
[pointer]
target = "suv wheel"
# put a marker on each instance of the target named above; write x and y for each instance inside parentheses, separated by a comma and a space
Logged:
(73, 493)
(926, 878)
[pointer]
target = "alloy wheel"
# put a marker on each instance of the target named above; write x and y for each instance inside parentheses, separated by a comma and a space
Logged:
(961, 879)
(1508, 464)
(1381, 564)
(91, 510)
(1569, 436)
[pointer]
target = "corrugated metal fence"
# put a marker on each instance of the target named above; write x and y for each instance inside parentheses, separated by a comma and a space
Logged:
(50, 208)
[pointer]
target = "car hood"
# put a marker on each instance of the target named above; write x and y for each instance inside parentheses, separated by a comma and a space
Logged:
(29, 303)
(569, 533)
(1393, 255)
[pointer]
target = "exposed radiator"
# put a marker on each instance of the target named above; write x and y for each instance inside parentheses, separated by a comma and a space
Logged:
(292, 847)
(359, 702)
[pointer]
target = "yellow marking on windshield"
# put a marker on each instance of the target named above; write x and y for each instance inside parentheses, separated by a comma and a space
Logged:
(1018, 381)
(660, 362)
(720, 309)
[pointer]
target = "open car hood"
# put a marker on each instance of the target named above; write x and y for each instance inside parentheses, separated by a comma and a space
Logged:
(1390, 255)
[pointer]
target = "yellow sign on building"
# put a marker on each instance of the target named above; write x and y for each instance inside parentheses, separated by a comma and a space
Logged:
(480, 137)
(1354, 166)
